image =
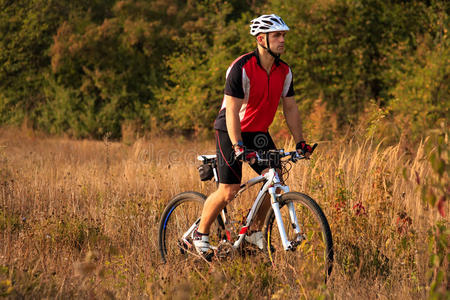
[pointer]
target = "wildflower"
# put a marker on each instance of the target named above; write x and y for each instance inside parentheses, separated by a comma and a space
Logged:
(403, 222)
(441, 206)
(359, 209)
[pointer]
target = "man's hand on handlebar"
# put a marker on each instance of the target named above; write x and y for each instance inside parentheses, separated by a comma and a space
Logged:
(304, 149)
(241, 154)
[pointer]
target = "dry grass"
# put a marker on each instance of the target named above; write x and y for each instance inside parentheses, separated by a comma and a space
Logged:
(79, 219)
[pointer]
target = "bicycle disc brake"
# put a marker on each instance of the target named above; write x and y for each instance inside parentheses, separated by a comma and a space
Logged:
(298, 241)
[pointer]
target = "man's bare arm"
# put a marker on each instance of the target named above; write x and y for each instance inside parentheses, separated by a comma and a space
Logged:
(290, 111)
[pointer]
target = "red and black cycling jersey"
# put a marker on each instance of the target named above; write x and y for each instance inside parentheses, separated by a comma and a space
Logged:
(261, 92)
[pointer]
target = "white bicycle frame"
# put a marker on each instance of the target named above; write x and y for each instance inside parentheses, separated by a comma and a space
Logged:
(272, 183)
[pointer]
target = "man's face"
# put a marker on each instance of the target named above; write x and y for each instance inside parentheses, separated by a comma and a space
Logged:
(276, 41)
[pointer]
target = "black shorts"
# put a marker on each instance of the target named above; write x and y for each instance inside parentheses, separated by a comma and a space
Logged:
(229, 169)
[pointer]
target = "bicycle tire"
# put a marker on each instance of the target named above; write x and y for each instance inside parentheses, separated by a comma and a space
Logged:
(315, 250)
(179, 215)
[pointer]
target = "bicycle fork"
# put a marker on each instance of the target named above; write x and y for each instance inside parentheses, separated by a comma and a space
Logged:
(287, 245)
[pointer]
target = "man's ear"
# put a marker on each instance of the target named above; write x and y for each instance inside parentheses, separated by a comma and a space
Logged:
(260, 38)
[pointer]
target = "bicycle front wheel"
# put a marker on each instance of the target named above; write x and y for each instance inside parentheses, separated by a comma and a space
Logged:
(311, 257)
(178, 221)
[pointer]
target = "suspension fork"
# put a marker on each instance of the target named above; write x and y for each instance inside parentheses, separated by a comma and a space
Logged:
(293, 217)
(287, 245)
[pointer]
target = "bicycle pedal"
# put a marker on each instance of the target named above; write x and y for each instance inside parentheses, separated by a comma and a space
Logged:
(209, 256)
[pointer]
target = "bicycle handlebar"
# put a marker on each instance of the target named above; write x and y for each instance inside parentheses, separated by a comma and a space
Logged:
(293, 155)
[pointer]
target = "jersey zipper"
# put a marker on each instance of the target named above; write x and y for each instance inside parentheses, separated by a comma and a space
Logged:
(268, 83)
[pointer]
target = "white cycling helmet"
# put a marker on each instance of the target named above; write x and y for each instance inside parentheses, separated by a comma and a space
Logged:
(267, 23)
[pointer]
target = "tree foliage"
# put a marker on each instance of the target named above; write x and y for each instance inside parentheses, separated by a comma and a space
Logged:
(86, 67)
(341, 50)
(193, 90)
(111, 69)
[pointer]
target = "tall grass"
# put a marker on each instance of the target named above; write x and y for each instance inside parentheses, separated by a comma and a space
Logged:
(80, 219)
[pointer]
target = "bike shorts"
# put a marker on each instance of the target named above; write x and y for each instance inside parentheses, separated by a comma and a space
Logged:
(228, 168)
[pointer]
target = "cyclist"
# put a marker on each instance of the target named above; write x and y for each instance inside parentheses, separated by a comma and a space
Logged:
(255, 83)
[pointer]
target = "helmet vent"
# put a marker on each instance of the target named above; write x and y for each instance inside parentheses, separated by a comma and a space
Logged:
(275, 20)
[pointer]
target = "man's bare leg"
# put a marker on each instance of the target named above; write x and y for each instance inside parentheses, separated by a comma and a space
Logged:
(215, 203)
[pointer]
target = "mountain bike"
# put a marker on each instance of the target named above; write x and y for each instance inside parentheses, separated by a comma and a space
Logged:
(296, 231)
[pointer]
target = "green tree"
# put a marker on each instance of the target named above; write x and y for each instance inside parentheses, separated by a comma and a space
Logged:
(26, 33)
(421, 99)
(110, 70)
(85, 67)
(193, 90)
(340, 51)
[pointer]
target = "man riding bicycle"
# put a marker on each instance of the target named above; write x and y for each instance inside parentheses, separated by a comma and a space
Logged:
(255, 83)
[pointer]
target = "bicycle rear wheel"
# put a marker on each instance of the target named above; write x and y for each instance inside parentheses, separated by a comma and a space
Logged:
(311, 260)
(181, 216)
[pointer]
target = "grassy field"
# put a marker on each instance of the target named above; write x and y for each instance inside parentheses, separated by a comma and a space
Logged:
(79, 219)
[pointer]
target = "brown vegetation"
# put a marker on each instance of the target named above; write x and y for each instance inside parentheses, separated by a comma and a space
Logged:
(79, 219)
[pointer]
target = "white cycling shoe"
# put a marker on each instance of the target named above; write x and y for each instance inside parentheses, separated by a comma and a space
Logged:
(202, 246)
(256, 239)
